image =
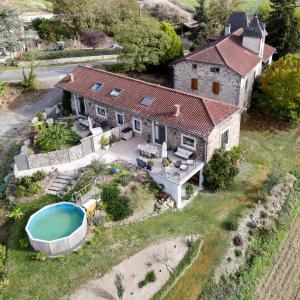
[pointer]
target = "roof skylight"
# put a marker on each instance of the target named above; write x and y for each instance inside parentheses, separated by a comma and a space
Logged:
(97, 86)
(116, 91)
(147, 101)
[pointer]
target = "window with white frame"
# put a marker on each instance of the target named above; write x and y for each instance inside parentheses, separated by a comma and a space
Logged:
(101, 111)
(188, 142)
(137, 125)
(225, 138)
(119, 118)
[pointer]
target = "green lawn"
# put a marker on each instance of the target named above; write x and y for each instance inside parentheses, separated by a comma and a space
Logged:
(54, 278)
(31, 5)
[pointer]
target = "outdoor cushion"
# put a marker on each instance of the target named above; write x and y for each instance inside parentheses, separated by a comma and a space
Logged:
(183, 153)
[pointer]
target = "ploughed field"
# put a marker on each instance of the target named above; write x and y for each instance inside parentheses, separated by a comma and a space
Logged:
(283, 280)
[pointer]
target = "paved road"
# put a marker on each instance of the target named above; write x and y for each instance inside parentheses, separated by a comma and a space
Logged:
(11, 121)
(50, 75)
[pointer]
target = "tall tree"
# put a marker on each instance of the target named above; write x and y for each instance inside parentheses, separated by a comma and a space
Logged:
(201, 16)
(220, 10)
(174, 48)
(283, 26)
(144, 43)
(92, 38)
(10, 27)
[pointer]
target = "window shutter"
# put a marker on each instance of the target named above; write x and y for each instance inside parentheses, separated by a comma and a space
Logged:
(216, 88)
(194, 84)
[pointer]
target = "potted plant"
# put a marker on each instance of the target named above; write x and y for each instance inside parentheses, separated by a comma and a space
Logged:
(104, 142)
(149, 165)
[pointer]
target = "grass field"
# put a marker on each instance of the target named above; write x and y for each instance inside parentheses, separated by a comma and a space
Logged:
(31, 5)
(54, 278)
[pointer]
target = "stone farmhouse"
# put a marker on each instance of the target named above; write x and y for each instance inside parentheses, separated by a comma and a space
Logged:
(193, 127)
(225, 69)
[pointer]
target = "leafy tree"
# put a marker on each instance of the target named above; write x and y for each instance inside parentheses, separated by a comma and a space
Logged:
(278, 91)
(174, 49)
(29, 80)
(283, 26)
(56, 137)
(220, 10)
(220, 171)
(92, 38)
(201, 16)
(144, 44)
(10, 26)
(264, 10)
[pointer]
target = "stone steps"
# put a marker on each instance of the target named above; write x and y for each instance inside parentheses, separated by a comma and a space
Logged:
(60, 184)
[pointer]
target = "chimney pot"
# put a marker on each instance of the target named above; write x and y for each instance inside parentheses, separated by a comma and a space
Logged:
(227, 30)
(177, 114)
(71, 77)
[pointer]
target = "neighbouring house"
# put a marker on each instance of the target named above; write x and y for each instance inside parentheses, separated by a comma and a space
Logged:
(225, 69)
(195, 126)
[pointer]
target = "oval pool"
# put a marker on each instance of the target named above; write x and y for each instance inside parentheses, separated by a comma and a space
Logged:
(58, 228)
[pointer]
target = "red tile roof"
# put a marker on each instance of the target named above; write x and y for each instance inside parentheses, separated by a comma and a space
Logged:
(268, 52)
(197, 115)
(228, 51)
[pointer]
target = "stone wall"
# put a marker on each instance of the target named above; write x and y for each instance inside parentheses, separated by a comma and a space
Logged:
(230, 81)
(214, 140)
(174, 140)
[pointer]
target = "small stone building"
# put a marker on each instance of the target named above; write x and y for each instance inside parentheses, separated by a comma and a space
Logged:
(225, 69)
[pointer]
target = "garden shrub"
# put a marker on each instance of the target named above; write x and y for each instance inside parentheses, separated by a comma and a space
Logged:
(27, 186)
(124, 179)
(231, 221)
(238, 240)
(2, 87)
(220, 171)
(238, 252)
(16, 214)
(23, 243)
(39, 175)
(110, 191)
(190, 190)
(2, 190)
(2, 258)
(40, 256)
(263, 214)
(56, 137)
(118, 208)
(98, 166)
(150, 277)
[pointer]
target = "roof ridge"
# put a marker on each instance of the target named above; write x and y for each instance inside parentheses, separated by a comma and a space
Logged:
(152, 84)
(208, 113)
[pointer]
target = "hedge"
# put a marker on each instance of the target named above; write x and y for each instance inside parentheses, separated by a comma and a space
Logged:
(44, 55)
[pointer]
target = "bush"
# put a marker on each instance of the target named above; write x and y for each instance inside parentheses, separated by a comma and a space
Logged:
(2, 258)
(98, 166)
(40, 256)
(263, 214)
(232, 220)
(44, 55)
(238, 252)
(220, 171)
(118, 208)
(29, 80)
(16, 214)
(56, 137)
(39, 175)
(34, 188)
(150, 277)
(238, 240)
(2, 87)
(124, 179)
(2, 190)
(110, 191)
(23, 243)
(190, 190)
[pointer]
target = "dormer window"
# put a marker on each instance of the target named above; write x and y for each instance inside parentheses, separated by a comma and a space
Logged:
(97, 86)
(147, 101)
(215, 70)
(116, 92)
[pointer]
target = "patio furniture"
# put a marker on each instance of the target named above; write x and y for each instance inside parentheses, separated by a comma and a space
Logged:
(148, 150)
(177, 164)
(141, 164)
(183, 153)
(85, 123)
(126, 133)
(190, 162)
(183, 167)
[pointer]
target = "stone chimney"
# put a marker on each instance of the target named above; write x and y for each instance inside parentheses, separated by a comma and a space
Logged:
(227, 29)
(71, 75)
(177, 113)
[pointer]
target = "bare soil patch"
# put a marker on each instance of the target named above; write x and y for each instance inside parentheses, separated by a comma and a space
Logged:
(283, 280)
(15, 96)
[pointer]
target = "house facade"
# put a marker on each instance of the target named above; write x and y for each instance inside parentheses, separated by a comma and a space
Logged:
(226, 69)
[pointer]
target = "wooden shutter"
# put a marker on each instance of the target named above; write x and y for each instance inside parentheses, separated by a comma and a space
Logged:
(216, 88)
(194, 84)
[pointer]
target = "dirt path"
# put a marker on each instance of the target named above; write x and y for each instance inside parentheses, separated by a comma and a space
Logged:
(283, 281)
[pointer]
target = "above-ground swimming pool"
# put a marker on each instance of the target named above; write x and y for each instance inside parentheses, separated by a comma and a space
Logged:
(58, 228)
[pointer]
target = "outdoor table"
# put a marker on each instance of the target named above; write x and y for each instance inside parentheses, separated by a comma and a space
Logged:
(148, 150)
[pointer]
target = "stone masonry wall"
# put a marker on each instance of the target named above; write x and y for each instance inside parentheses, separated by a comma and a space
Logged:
(230, 82)
(214, 140)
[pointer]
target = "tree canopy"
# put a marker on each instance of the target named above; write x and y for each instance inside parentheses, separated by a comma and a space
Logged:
(144, 43)
(92, 38)
(278, 90)
(202, 17)
(283, 26)
(10, 26)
